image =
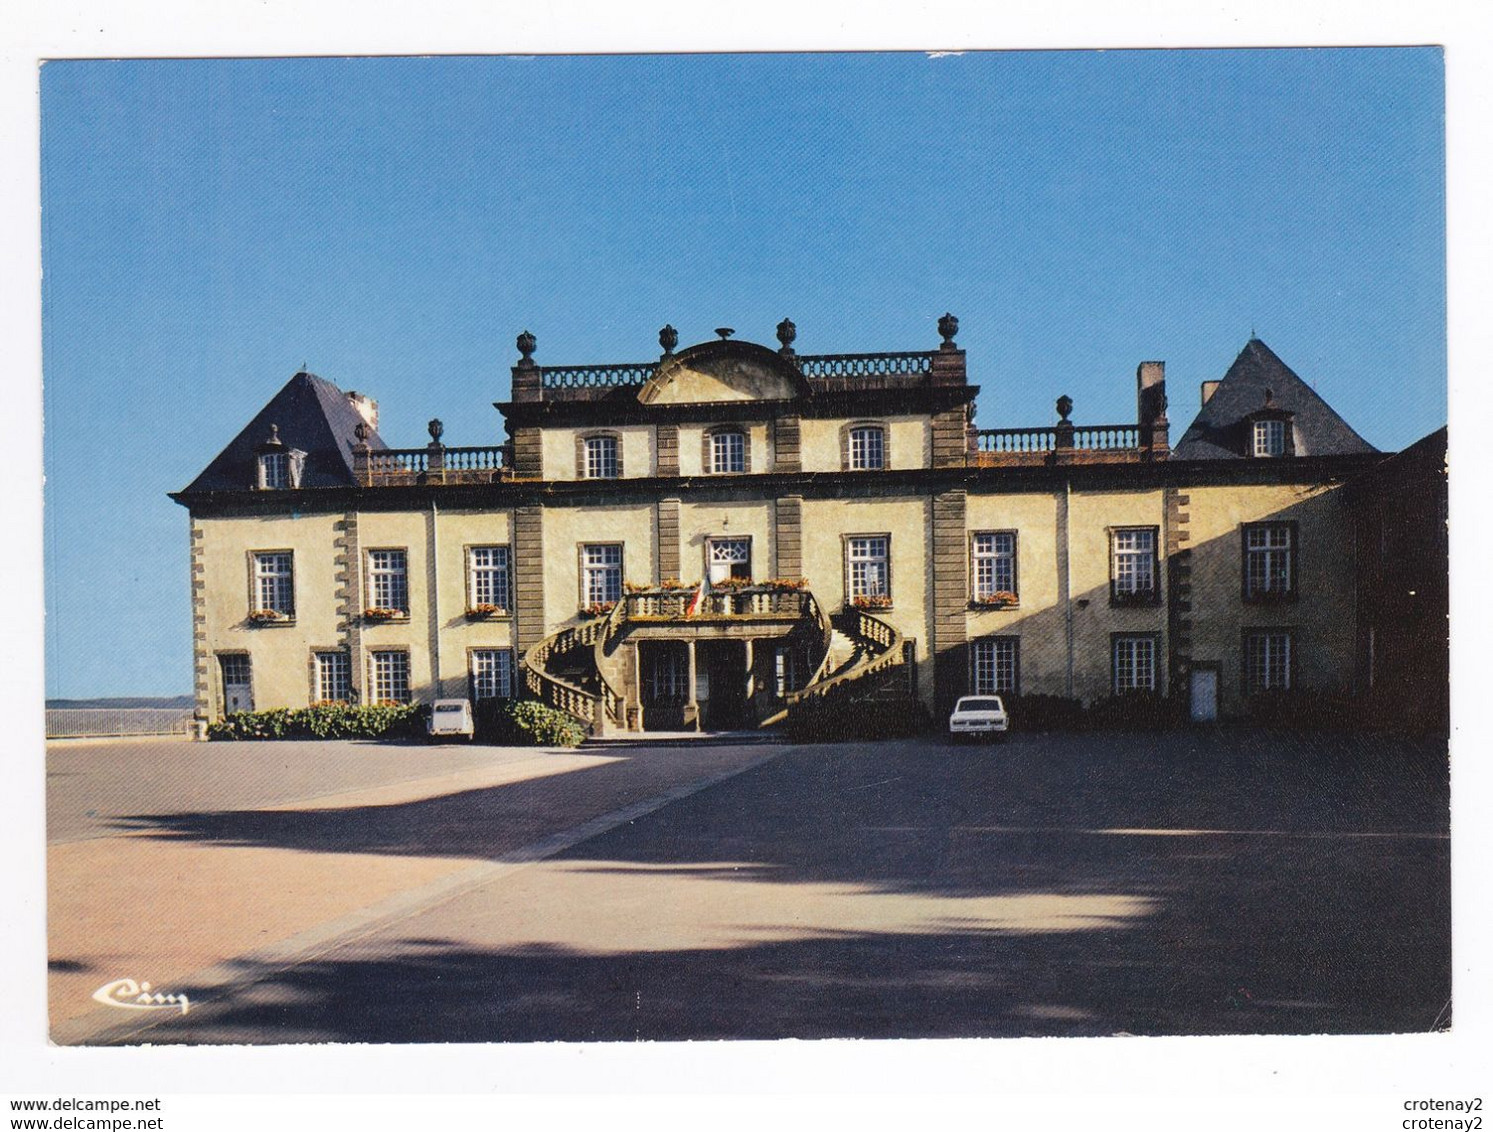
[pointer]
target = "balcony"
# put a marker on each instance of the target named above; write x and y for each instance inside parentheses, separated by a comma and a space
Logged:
(743, 603)
(433, 464)
(1065, 443)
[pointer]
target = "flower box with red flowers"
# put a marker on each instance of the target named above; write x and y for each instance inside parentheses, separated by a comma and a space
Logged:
(1000, 599)
(269, 617)
(598, 608)
(485, 611)
(872, 601)
(378, 613)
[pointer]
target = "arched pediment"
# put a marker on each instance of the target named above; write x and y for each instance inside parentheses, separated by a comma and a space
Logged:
(723, 371)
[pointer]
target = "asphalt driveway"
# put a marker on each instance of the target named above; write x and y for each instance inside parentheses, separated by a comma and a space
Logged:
(1186, 883)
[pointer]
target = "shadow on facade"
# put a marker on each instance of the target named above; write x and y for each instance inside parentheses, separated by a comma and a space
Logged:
(1259, 885)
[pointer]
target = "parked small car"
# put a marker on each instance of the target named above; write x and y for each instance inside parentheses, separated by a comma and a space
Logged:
(450, 719)
(979, 716)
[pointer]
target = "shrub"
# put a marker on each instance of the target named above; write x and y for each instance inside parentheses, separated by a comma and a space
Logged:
(526, 723)
(1140, 711)
(1044, 713)
(834, 719)
(1304, 711)
(322, 721)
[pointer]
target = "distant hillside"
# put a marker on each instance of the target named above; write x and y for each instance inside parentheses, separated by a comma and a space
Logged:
(125, 702)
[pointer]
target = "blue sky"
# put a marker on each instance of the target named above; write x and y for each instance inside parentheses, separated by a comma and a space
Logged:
(209, 226)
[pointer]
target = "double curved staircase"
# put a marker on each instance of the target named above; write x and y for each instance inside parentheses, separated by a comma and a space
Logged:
(859, 656)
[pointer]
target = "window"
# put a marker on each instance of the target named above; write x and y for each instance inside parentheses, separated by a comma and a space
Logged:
(1267, 661)
(727, 452)
(867, 448)
(668, 674)
(492, 674)
(787, 671)
(1269, 560)
(274, 470)
(388, 580)
(389, 676)
(1270, 438)
(868, 559)
(603, 459)
(1134, 664)
(728, 558)
(334, 677)
(1133, 565)
(994, 557)
(601, 573)
(994, 666)
(488, 578)
(274, 583)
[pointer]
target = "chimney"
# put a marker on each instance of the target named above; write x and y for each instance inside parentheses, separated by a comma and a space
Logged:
(1209, 388)
(1150, 409)
(367, 407)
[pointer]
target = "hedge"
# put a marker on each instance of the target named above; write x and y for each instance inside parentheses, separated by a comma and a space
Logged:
(526, 723)
(322, 721)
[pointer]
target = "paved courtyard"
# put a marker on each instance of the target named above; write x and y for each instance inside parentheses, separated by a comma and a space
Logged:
(1192, 883)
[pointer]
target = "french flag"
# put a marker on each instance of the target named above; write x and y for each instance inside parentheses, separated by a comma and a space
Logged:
(697, 600)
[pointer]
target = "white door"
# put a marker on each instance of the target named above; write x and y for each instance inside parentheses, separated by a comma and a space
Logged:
(1204, 695)
(237, 692)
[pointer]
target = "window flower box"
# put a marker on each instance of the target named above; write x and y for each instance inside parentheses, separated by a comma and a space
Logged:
(597, 609)
(871, 601)
(1000, 599)
(787, 585)
(485, 612)
(376, 614)
(1134, 597)
(733, 584)
(269, 617)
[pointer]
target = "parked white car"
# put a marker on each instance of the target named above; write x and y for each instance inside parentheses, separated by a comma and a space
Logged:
(979, 715)
(450, 719)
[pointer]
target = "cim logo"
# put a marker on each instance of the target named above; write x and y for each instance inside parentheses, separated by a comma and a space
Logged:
(126, 994)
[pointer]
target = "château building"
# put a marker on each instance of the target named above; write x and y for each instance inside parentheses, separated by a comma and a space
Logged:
(713, 537)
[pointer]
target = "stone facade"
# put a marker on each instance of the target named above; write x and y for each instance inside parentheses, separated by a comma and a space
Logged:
(1063, 560)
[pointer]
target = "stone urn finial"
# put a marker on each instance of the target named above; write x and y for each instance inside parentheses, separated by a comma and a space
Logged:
(725, 332)
(274, 437)
(668, 338)
(526, 344)
(1065, 407)
(435, 428)
(787, 332)
(948, 326)
(361, 432)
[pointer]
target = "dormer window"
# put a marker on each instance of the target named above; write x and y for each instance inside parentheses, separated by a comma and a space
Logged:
(867, 448)
(277, 467)
(1269, 438)
(727, 452)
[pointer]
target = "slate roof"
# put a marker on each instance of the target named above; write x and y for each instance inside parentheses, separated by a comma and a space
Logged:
(1217, 432)
(312, 415)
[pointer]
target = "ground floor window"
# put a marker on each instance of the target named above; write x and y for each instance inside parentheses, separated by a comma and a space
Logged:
(787, 671)
(1134, 664)
(995, 665)
(334, 677)
(389, 676)
(668, 675)
(1267, 661)
(492, 674)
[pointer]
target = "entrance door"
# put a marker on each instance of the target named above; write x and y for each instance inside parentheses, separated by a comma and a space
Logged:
(1204, 683)
(238, 695)
(724, 708)
(665, 675)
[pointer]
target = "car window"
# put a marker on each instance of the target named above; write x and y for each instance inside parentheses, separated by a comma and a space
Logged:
(984, 704)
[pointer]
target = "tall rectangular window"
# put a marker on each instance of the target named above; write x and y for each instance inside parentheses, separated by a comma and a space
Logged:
(601, 573)
(727, 452)
(1133, 564)
(867, 448)
(388, 580)
(492, 674)
(333, 677)
(728, 558)
(1267, 661)
(869, 561)
(489, 578)
(389, 676)
(603, 458)
(1270, 438)
(1269, 560)
(994, 554)
(787, 672)
(994, 664)
(274, 582)
(1134, 664)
